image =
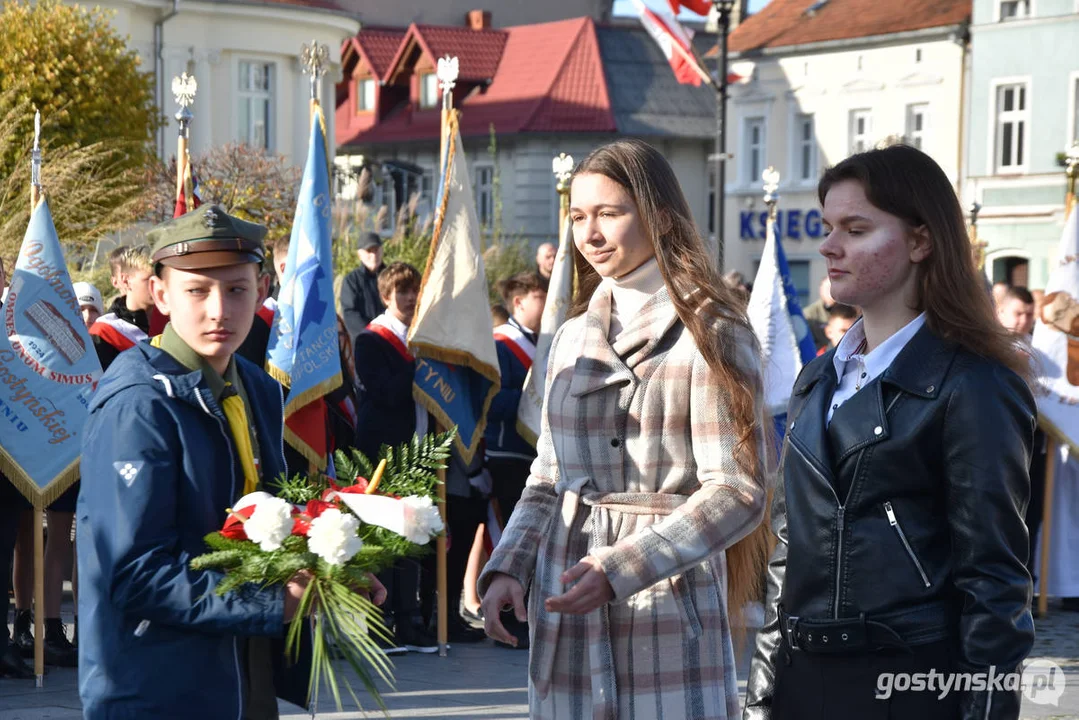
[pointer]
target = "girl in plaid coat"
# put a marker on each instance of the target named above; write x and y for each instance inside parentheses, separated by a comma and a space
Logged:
(640, 523)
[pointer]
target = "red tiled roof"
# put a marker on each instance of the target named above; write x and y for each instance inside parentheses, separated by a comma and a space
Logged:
(378, 46)
(477, 51)
(546, 78)
(786, 22)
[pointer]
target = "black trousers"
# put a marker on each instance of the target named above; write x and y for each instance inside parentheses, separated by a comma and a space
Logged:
(463, 516)
(402, 583)
(508, 478)
(12, 505)
(832, 687)
(1036, 505)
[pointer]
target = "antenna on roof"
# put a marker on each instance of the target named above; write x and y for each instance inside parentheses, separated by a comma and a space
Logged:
(812, 9)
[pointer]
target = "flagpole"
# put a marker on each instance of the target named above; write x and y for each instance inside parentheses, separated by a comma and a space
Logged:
(447, 78)
(1051, 449)
(184, 87)
(562, 166)
(724, 8)
(39, 509)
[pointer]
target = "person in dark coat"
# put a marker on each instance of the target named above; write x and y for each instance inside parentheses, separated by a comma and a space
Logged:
(899, 510)
(161, 463)
(360, 299)
(388, 415)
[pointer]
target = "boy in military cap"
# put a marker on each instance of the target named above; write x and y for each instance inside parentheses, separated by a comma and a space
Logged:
(179, 430)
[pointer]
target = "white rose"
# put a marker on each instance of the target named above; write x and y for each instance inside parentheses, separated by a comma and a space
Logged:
(333, 536)
(270, 524)
(422, 519)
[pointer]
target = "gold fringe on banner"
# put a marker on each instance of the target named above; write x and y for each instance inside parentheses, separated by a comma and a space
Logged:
(39, 497)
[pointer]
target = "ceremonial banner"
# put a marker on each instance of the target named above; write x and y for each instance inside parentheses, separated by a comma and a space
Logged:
(1056, 342)
(676, 44)
(303, 353)
(777, 320)
(188, 195)
(559, 297)
(48, 369)
(456, 362)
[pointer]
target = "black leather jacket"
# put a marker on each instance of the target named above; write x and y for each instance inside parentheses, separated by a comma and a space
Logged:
(931, 534)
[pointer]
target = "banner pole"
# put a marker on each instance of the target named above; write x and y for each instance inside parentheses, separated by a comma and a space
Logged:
(39, 596)
(1047, 524)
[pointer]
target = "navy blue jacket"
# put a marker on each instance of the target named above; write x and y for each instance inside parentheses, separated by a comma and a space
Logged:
(385, 410)
(501, 434)
(158, 472)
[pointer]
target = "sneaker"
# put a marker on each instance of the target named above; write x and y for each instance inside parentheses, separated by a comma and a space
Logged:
(461, 632)
(389, 647)
(415, 638)
(475, 619)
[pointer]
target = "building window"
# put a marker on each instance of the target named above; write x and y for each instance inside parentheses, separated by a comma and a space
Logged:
(1012, 118)
(917, 122)
(1014, 10)
(255, 97)
(365, 95)
(861, 125)
(428, 91)
(484, 191)
(755, 151)
(799, 271)
(805, 148)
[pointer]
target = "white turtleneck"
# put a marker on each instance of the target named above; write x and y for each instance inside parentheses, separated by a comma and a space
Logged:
(630, 292)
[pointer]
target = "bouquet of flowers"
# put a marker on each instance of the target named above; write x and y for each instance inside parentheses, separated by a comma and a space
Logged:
(340, 532)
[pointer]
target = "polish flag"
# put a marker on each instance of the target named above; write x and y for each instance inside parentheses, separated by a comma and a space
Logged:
(701, 7)
(674, 41)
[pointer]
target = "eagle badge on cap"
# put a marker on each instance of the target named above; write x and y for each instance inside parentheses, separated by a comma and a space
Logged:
(210, 218)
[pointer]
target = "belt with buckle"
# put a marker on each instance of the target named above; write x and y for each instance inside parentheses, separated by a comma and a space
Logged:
(842, 635)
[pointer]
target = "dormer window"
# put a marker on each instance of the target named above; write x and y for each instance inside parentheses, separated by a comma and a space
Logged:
(428, 91)
(365, 95)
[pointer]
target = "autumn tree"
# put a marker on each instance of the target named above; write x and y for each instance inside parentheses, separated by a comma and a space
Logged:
(98, 118)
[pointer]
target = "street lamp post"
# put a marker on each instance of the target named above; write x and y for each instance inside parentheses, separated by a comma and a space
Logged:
(724, 8)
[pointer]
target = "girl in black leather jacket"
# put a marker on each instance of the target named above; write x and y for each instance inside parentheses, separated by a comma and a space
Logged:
(899, 514)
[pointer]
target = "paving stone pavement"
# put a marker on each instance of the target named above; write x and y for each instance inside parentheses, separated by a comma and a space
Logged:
(490, 683)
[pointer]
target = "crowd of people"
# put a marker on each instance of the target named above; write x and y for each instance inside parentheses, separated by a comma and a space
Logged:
(622, 548)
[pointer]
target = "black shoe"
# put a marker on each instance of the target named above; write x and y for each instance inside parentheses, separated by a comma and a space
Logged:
(388, 646)
(415, 638)
(58, 649)
(23, 638)
(461, 632)
(13, 666)
(516, 628)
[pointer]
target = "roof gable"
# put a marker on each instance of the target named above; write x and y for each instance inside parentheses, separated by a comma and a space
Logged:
(784, 23)
(375, 47)
(478, 51)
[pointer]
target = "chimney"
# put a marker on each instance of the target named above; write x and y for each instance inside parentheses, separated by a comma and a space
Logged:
(478, 19)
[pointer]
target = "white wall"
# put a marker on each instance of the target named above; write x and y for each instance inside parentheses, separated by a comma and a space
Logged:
(211, 38)
(829, 85)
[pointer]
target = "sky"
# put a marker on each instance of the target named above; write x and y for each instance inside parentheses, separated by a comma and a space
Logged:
(626, 7)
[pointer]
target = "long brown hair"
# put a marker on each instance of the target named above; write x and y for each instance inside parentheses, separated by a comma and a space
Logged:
(709, 309)
(905, 182)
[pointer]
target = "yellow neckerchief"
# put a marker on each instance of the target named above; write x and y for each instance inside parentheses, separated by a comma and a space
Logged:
(230, 400)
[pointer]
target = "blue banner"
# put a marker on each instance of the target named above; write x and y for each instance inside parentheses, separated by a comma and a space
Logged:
(806, 347)
(48, 369)
(303, 352)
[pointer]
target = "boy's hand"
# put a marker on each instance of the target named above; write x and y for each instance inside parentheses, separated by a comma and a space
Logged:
(377, 591)
(294, 590)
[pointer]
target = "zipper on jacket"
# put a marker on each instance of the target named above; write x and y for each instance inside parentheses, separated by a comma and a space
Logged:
(221, 422)
(894, 522)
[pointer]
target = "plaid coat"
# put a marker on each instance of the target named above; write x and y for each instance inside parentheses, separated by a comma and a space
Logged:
(636, 468)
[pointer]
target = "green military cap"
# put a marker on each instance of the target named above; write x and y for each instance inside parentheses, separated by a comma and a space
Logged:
(206, 237)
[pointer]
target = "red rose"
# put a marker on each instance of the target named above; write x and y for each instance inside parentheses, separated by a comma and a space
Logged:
(234, 523)
(317, 507)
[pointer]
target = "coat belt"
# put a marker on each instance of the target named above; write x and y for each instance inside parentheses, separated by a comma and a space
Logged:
(574, 496)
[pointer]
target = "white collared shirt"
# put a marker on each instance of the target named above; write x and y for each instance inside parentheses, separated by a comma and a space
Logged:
(855, 369)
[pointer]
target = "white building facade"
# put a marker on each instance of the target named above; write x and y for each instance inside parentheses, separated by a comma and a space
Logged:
(245, 57)
(807, 106)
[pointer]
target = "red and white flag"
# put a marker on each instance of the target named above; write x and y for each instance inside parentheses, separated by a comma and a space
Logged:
(674, 41)
(701, 7)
